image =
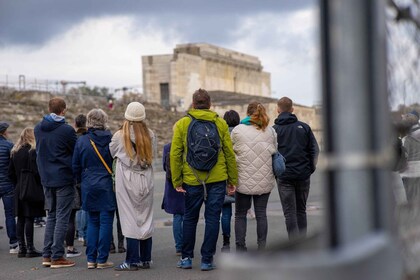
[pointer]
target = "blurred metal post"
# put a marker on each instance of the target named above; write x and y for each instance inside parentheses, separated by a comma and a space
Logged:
(359, 243)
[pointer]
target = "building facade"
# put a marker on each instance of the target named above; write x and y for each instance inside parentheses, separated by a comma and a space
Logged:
(170, 80)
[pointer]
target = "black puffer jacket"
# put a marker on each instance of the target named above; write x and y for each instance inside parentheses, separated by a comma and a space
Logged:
(298, 145)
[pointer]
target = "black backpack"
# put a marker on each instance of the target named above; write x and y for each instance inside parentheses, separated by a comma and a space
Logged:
(203, 143)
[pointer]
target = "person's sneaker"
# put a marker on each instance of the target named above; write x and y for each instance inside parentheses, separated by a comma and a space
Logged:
(104, 265)
(73, 253)
(46, 262)
(91, 265)
(185, 263)
(62, 262)
(112, 248)
(37, 225)
(126, 267)
(207, 266)
(14, 249)
(80, 239)
(144, 265)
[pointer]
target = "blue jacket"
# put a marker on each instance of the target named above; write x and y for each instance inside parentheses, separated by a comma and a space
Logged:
(96, 182)
(54, 147)
(5, 148)
(173, 201)
(298, 145)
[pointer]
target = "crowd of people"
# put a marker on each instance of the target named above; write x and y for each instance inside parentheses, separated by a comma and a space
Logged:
(81, 177)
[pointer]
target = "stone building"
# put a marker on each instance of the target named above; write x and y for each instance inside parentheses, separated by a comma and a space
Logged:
(170, 80)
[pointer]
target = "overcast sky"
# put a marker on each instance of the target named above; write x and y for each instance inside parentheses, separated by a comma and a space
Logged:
(102, 42)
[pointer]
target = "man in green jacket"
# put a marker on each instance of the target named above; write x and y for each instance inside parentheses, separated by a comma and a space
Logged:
(221, 179)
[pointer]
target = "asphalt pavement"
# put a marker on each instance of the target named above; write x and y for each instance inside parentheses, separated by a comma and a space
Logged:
(163, 252)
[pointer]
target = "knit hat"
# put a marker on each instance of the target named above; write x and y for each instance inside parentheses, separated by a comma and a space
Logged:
(3, 126)
(415, 113)
(135, 112)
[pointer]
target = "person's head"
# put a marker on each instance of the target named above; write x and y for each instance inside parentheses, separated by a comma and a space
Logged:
(232, 118)
(26, 137)
(57, 106)
(285, 104)
(201, 99)
(80, 121)
(97, 118)
(135, 114)
(3, 128)
(258, 115)
(410, 119)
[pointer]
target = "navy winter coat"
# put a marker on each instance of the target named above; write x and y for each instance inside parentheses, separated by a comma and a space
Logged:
(96, 182)
(5, 148)
(173, 201)
(298, 145)
(54, 148)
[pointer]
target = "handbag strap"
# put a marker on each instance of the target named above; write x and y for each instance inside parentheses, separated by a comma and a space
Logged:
(100, 156)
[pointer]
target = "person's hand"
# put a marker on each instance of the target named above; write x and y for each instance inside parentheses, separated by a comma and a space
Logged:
(231, 189)
(180, 189)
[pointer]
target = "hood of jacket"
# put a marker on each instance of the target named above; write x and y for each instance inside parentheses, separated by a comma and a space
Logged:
(49, 124)
(99, 136)
(203, 114)
(285, 118)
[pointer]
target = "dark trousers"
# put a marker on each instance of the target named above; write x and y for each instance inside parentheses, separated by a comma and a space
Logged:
(293, 197)
(243, 204)
(194, 198)
(25, 228)
(138, 250)
(71, 230)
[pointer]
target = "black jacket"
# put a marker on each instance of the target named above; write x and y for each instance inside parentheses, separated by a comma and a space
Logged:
(298, 145)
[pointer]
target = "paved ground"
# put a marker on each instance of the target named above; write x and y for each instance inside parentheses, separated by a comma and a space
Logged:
(163, 253)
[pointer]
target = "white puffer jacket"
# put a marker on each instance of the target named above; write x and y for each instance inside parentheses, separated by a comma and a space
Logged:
(253, 149)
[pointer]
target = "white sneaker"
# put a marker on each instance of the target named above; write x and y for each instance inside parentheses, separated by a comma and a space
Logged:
(14, 249)
(80, 239)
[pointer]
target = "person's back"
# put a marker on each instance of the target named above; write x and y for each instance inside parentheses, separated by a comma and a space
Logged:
(207, 187)
(7, 187)
(55, 141)
(298, 145)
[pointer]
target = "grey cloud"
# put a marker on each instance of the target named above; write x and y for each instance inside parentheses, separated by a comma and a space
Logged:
(29, 22)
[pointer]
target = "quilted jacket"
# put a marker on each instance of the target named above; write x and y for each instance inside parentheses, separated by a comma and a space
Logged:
(253, 149)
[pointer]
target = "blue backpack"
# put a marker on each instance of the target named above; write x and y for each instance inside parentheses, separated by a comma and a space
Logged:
(203, 143)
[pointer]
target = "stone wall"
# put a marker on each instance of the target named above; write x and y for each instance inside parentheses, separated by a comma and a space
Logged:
(194, 66)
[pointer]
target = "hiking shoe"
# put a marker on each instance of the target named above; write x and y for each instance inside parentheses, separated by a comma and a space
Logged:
(207, 266)
(126, 267)
(144, 265)
(14, 249)
(104, 265)
(62, 262)
(185, 263)
(91, 265)
(73, 253)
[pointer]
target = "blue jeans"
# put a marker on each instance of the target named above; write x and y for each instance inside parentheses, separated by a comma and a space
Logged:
(138, 250)
(59, 202)
(293, 197)
(99, 234)
(81, 221)
(177, 231)
(194, 198)
(8, 196)
(226, 217)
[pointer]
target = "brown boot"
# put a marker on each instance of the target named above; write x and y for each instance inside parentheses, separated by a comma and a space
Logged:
(62, 262)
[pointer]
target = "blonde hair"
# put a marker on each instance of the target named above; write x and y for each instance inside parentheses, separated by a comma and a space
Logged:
(26, 137)
(142, 143)
(258, 115)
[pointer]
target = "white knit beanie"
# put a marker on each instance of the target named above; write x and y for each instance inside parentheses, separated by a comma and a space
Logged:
(135, 112)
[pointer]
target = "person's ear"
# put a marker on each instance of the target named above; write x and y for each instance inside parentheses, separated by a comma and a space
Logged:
(291, 110)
